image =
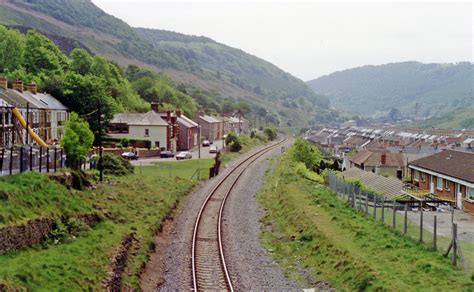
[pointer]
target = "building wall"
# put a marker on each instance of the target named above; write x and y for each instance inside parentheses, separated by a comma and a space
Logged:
(187, 137)
(156, 134)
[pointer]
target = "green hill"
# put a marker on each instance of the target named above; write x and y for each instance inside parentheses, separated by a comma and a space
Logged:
(196, 62)
(460, 118)
(413, 88)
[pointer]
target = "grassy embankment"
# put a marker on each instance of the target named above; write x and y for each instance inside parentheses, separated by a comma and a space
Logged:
(247, 145)
(317, 237)
(135, 203)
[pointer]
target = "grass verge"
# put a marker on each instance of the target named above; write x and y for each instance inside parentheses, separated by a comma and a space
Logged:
(317, 237)
(135, 203)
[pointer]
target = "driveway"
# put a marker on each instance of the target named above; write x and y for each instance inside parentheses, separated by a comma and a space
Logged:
(195, 152)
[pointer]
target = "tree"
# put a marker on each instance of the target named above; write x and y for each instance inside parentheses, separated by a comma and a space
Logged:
(304, 152)
(271, 133)
(233, 142)
(42, 56)
(394, 114)
(77, 140)
(81, 61)
(12, 47)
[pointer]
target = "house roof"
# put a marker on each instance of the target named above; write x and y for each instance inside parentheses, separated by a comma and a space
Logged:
(390, 187)
(370, 158)
(15, 99)
(150, 118)
(209, 119)
(456, 164)
(47, 100)
(187, 122)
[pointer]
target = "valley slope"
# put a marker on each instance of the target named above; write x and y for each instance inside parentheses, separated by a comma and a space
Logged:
(197, 62)
(416, 89)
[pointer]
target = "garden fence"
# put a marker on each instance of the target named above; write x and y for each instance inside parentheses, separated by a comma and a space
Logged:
(403, 216)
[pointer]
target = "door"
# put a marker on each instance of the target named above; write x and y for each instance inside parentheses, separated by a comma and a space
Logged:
(431, 184)
(458, 197)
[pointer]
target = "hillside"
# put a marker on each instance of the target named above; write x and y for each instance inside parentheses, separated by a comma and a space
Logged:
(414, 88)
(460, 118)
(196, 62)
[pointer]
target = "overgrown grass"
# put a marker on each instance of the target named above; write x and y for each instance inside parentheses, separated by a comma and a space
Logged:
(315, 236)
(197, 169)
(247, 144)
(136, 203)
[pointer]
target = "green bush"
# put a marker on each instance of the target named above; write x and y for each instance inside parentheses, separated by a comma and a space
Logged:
(303, 151)
(233, 142)
(115, 165)
(302, 170)
(271, 133)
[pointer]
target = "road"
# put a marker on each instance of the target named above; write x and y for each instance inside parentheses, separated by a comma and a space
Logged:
(195, 153)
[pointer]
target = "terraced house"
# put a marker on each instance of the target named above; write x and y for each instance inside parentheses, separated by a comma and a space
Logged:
(448, 175)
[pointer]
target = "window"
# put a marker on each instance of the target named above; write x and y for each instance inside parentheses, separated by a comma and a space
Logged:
(470, 194)
(422, 176)
(439, 183)
(147, 132)
(446, 184)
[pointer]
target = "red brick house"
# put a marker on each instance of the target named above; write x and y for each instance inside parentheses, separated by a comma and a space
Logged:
(188, 132)
(448, 175)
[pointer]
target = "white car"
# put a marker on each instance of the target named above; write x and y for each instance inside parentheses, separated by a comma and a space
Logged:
(184, 155)
(213, 149)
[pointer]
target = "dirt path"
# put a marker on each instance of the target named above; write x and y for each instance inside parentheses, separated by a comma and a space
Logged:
(169, 267)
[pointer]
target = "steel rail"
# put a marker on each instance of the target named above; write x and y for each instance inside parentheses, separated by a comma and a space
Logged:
(252, 158)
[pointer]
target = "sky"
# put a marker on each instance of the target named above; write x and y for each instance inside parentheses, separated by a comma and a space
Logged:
(311, 39)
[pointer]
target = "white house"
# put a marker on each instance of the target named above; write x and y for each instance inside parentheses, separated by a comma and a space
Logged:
(145, 127)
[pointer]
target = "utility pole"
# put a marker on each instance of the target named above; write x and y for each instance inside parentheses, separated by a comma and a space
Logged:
(240, 117)
(27, 121)
(199, 139)
(99, 112)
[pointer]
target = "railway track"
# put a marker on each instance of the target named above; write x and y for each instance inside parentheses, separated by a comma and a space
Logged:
(209, 269)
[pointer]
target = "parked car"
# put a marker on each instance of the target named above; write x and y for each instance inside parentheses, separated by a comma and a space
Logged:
(166, 154)
(206, 143)
(184, 155)
(213, 149)
(130, 156)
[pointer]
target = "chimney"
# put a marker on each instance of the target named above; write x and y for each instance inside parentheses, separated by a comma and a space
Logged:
(383, 158)
(168, 116)
(18, 85)
(32, 87)
(154, 107)
(3, 82)
(178, 113)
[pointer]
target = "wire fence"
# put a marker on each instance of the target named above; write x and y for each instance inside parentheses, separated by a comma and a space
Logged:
(408, 218)
(19, 159)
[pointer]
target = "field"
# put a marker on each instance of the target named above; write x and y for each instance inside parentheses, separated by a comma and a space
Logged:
(136, 203)
(316, 237)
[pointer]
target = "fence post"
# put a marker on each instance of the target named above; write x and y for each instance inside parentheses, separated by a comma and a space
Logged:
(375, 206)
(1, 161)
(40, 157)
(421, 222)
(47, 159)
(62, 159)
(366, 203)
(455, 246)
(353, 197)
(11, 160)
(55, 158)
(31, 158)
(383, 209)
(434, 233)
(359, 196)
(405, 227)
(394, 221)
(21, 159)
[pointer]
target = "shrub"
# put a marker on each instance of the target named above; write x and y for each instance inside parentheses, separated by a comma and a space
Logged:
(301, 169)
(125, 142)
(233, 142)
(115, 165)
(304, 152)
(271, 133)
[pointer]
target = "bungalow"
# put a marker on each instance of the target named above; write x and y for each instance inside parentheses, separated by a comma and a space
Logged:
(448, 175)
(390, 164)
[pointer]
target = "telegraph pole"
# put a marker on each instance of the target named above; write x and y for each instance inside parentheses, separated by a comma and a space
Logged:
(199, 139)
(27, 121)
(99, 113)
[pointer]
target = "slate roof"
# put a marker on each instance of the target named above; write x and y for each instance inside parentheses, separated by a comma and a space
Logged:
(370, 158)
(389, 186)
(456, 164)
(209, 119)
(150, 118)
(47, 100)
(187, 122)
